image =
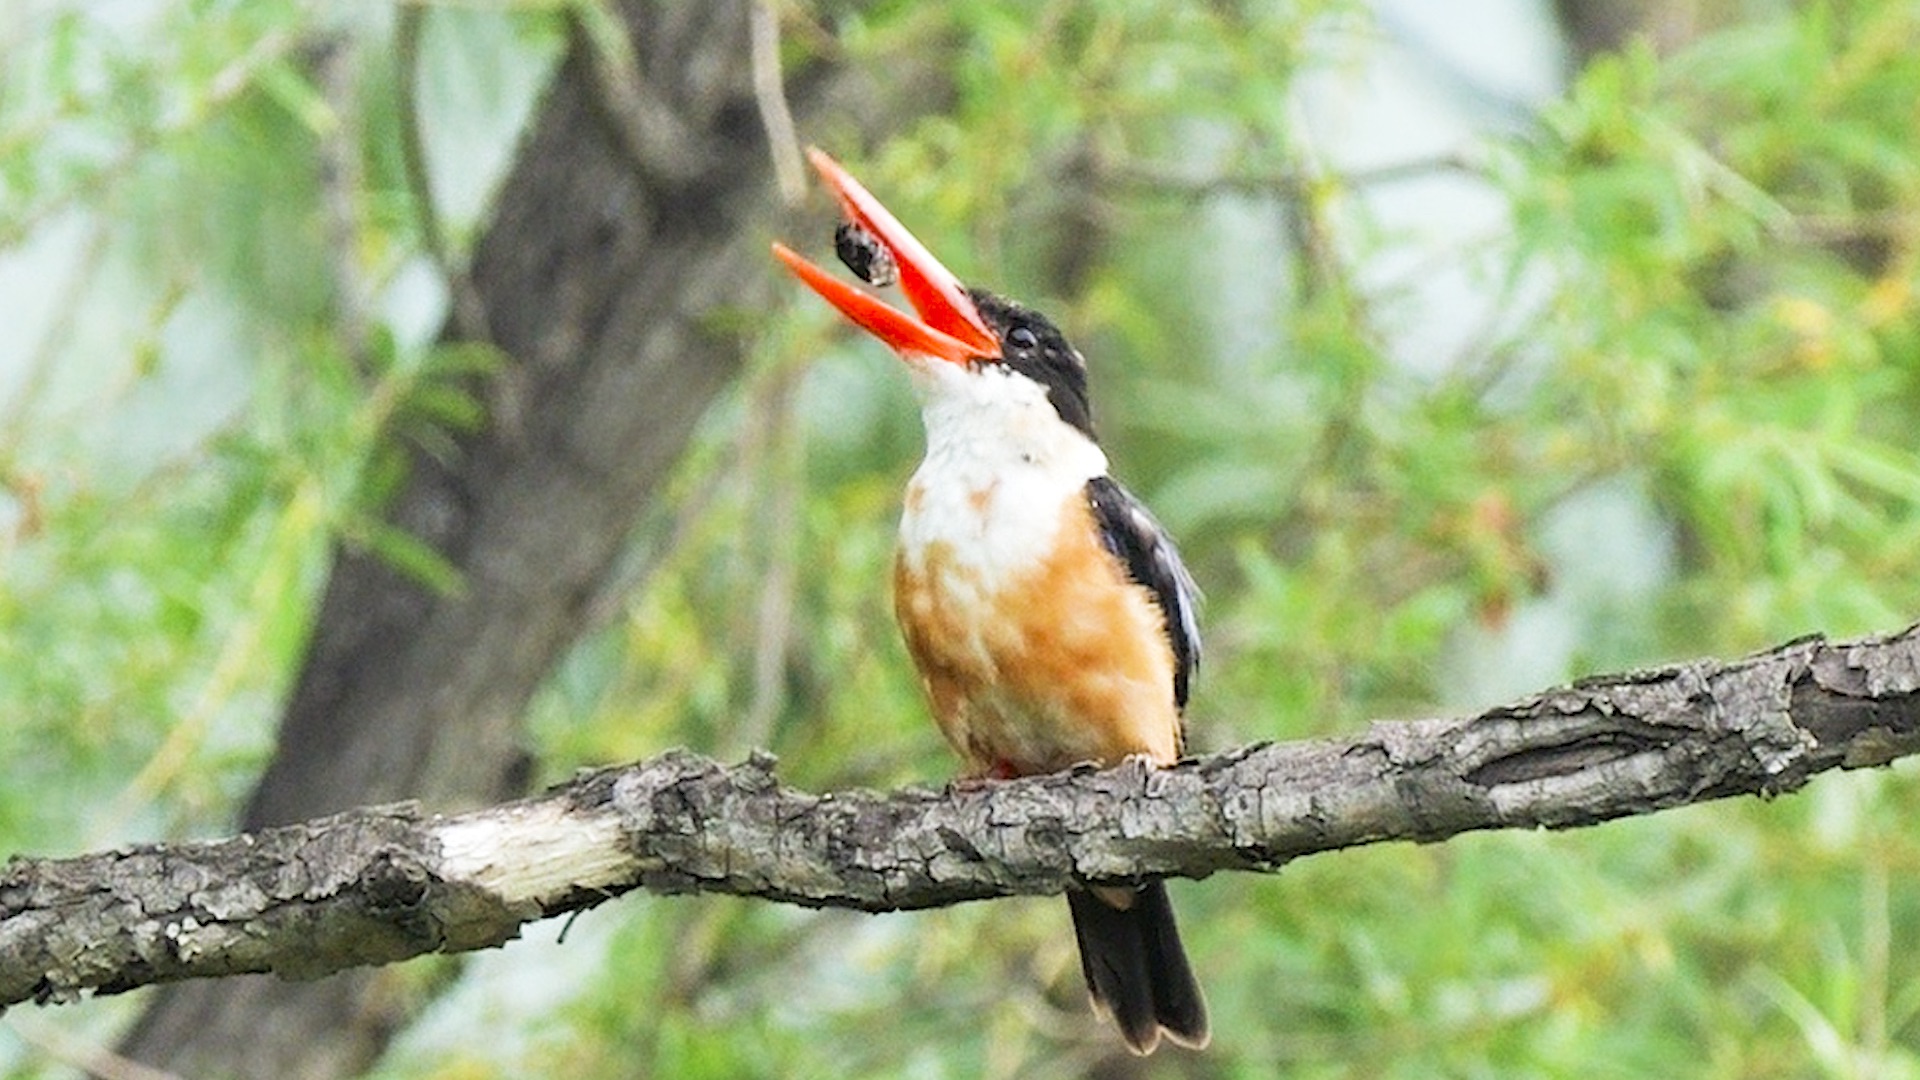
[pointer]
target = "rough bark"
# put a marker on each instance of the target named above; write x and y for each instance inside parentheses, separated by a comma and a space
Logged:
(632, 224)
(378, 885)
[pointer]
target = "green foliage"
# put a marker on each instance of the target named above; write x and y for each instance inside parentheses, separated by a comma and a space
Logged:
(1681, 425)
(196, 398)
(1738, 306)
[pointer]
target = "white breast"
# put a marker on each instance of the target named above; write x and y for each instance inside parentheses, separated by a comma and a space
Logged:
(1000, 462)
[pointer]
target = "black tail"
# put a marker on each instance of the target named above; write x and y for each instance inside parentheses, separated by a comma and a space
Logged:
(1136, 970)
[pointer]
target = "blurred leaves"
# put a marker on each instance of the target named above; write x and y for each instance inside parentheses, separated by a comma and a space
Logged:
(187, 421)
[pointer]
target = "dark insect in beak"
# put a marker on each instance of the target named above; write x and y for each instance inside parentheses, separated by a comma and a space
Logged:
(865, 255)
(945, 324)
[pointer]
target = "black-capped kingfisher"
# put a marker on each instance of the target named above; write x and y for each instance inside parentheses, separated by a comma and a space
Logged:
(1048, 614)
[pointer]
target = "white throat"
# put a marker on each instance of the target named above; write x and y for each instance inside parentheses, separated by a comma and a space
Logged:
(1000, 464)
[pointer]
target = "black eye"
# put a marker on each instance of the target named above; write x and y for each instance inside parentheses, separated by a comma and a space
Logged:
(1022, 338)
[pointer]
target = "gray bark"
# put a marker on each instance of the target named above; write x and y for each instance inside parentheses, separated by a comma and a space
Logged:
(378, 885)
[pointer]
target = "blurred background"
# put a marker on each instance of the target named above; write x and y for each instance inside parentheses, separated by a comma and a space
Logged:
(400, 402)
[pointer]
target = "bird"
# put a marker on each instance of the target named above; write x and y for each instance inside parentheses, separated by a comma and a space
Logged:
(1049, 616)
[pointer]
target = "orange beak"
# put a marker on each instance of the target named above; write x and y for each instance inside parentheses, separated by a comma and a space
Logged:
(948, 326)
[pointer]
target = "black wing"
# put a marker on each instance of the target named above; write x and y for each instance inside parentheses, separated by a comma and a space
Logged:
(1143, 546)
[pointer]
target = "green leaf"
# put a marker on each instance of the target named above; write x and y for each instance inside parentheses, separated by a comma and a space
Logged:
(408, 554)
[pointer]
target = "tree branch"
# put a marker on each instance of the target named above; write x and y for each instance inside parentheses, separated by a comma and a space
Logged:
(377, 885)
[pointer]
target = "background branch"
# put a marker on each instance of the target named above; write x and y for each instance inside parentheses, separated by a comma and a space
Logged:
(377, 885)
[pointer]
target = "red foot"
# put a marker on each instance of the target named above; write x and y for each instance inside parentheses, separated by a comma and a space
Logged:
(993, 774)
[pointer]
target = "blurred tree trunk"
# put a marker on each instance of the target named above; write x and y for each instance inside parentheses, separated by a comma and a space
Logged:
(637, 213)
(1593, 27)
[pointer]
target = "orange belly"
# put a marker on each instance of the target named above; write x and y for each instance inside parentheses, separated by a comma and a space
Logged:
(1066, 662)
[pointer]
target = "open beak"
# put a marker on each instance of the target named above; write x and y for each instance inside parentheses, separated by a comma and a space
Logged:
(949, 327)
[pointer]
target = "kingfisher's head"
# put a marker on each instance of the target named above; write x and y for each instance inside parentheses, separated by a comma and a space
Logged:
(973, 354)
